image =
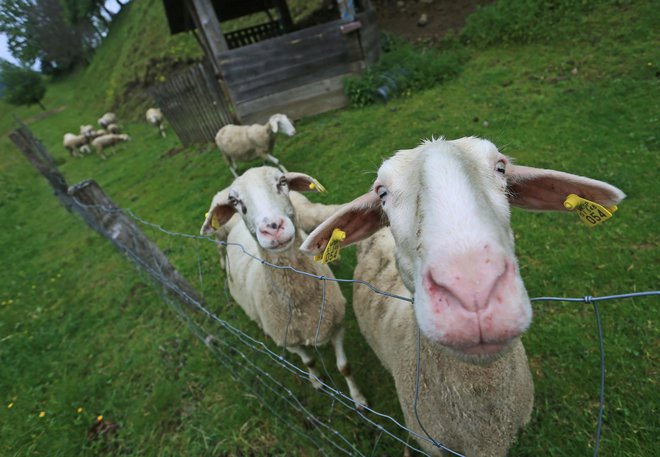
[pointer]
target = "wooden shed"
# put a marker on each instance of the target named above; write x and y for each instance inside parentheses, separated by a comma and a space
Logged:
(278, 65)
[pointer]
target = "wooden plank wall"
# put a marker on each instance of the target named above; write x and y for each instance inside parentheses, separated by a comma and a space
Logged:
(298, 73)
(193, 104)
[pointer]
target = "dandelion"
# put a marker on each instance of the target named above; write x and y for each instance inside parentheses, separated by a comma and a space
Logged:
(99, 418)
(10, 405)
(79, 410)
(42, 413)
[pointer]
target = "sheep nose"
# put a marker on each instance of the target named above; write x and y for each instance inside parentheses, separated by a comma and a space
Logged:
(271, 226)
(474, 285)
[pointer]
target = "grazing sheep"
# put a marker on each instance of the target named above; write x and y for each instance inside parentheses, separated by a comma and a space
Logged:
(155, 117)
(107, 119)
(289, 307)
(114, 128)
(450, 246)
(248, 142)
(109, 139)
(73, 143)
(87, 131)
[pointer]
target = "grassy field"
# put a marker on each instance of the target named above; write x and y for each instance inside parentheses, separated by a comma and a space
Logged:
(84, 334)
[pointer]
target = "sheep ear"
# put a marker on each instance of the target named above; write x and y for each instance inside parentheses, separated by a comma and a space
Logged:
(274, 125)
(538, 189)
(359, 219)
(219, 213)
(303, 183)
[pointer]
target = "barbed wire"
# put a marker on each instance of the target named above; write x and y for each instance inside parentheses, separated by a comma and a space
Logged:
(337, 397)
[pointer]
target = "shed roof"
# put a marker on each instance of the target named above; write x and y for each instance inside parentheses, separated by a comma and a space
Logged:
(179, 19)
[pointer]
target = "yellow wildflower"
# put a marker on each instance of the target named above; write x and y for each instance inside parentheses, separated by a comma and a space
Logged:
(79, 410)
(99, 418)
(10, 405)
(42, 413)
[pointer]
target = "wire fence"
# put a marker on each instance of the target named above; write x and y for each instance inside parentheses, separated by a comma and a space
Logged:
(256, 366)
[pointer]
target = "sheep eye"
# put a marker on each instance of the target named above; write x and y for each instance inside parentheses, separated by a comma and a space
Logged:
(500, 167)
(381, 191)
(282, 184)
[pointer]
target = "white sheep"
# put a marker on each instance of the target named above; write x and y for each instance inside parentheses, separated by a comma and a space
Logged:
(109, 139)
(114, 128)
(249, 142)
(87, 131)
(450, 246)
(289, 307)
(155, 117)
(107, 119)
(75, 144)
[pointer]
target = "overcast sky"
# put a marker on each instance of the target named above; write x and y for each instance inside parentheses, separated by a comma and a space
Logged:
(4, 50)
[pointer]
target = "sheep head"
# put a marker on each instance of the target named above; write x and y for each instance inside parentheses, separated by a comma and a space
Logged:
(261, 197)
(279, 122)
(448, 206)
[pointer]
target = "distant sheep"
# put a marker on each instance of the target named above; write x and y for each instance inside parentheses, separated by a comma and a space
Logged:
(439, 216)
(114, 128)
(249, 142)
(155, 117)
(110, 139)
(107, 119)
(294, 310)
(87, 130)
(74, 143)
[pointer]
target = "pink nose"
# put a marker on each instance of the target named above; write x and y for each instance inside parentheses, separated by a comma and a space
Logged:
(272, 227)
(473, 281)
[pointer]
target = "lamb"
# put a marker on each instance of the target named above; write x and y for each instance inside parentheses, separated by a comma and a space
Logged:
(107, 119)
(109, 139)
(155, 117)
(75, 144)
(285, 304)
(248, 142)
(450, 246)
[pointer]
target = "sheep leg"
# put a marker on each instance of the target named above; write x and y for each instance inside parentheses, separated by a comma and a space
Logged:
(99, 151)
(231, 163)
(310, 362)
(162, 130)
(345, 369)
(276, 162)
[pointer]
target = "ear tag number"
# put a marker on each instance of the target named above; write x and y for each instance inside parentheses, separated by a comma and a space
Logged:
(214, 221)
(590, 212)
(332, 249)
(318, 186)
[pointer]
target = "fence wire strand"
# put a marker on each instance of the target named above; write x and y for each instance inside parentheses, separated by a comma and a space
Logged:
(337, 397)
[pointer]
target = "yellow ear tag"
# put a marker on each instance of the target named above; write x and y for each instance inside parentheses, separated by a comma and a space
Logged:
(214, 221)
(332, 249)
(318, 186)
(590, 212)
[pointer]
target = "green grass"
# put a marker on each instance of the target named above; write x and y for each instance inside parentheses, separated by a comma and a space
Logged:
(81, 328)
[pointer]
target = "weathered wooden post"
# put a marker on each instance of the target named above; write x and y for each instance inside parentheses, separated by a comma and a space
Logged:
(127, 237)
(97, 209)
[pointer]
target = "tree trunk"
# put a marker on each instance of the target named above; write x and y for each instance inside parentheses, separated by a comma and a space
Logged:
(38, 102)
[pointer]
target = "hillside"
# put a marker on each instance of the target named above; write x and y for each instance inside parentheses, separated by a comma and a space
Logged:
(84, 334)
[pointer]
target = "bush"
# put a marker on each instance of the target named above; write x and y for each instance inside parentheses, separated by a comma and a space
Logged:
(22, 86)
(403, 69)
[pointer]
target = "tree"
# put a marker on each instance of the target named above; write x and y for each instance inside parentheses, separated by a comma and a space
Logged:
(58, 33)
(22, 85)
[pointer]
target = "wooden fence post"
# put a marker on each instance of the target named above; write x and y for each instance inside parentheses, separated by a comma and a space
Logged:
(99, 212)
(124, 233)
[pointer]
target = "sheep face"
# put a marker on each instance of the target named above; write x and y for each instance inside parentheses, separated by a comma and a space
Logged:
(447, 205)
(281, 123)
(261, 197)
